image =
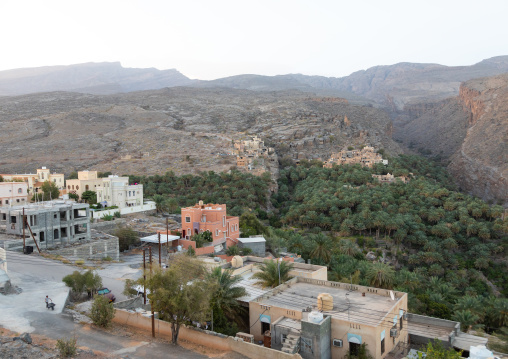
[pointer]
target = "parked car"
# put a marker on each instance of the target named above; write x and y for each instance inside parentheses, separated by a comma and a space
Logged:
(107, 293)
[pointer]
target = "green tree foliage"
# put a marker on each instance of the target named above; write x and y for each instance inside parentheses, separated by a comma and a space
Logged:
(250, 225)
(233, 251)
(49, 190)
(73, 175)
(181, 293)
(443, 242)
(239, 191)
(126, 237)
(102, 312)
(381, 275)
(89, 197)
(67, 347)
(436, 350)
(273, 273)
(81, 282)
(363, 353)
(224, 300)
(74, 196)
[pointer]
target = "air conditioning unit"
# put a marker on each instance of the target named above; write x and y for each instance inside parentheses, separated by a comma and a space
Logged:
(393, 332)
(337, 343)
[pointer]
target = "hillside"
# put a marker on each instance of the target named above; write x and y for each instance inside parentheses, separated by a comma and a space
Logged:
(95, 78)
(180, 129)
(469, 131)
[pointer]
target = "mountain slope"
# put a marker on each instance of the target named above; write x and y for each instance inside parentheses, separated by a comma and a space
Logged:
(95, 78)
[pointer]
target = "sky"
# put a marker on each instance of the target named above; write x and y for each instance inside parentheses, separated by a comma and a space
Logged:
(210, 39)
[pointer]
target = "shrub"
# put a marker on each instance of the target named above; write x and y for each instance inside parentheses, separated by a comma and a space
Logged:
(117, 214)
(102, 312)
(191, 252)
(233, 251)
(246, 251)
(126, 237)
(107, 217)
(67, 347)
(80, 262)
(107, 259)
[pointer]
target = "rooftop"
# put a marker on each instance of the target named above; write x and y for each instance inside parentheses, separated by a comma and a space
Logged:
(301, 294)
(47, 205)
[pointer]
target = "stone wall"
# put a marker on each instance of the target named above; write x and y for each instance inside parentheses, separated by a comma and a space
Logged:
(108, 226)
(202, 337)
(95, 250)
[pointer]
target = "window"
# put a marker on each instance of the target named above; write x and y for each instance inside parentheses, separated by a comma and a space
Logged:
(187, 219)
(77, 187)
(382, 345)
(17, 200)
(20, 190)
(224, 221)
(216, 232)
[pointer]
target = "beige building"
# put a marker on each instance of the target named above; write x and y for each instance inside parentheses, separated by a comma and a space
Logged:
(367, 157)
(35, 181)
(13, 193)
(326, 319)
(86, 181)
(389, 178)
(116, 191)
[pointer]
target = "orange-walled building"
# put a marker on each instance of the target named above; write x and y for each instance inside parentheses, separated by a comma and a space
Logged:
(213, 218)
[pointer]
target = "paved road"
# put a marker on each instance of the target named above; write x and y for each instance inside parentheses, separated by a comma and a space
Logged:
(26, 312)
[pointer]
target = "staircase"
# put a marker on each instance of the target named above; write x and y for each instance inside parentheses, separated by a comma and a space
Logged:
(291, 344)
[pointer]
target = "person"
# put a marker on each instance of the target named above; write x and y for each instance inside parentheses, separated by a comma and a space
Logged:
(47, 301)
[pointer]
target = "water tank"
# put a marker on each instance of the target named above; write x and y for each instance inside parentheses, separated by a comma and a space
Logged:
(237, 262)
(324, 302)
(315, 317)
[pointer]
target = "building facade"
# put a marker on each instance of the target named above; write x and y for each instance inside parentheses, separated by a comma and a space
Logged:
(111, 191)
(13, 193)
(210, 217)
(52, 223)
(116, 191)
(35, 181)
(326, 319)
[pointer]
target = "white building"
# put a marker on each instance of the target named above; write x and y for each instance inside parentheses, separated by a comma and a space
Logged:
(116, 191)
(13, 193)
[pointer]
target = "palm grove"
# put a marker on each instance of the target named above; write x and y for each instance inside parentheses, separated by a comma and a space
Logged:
(446, 249)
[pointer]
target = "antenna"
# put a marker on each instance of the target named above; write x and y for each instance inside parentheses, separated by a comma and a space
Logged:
(392, 295)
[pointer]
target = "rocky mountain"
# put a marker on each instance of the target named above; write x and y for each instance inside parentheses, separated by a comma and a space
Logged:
(185, 130)
(470, 131)
(94, 78)
(391, 86)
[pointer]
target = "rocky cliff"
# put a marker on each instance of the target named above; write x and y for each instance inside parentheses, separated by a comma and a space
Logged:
(469, 132)
(480, 166)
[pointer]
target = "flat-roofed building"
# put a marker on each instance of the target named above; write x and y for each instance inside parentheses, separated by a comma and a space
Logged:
(86, 181)
(213, 218)
(13, 193)
(35, 180)
(52, 223)
(329, 319)
(116, 191)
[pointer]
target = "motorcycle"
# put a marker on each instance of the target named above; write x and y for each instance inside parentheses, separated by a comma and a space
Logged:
(51, 305)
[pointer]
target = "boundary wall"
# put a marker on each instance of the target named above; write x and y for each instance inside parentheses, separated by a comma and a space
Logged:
(201, 337)
(150, 206)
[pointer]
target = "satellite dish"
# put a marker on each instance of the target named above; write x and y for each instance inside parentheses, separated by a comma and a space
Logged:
(392, 295)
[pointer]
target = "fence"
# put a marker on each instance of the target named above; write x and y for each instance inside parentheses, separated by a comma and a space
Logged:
(149, 206)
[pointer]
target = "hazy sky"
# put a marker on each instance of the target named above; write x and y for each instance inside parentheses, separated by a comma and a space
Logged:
(215, 38)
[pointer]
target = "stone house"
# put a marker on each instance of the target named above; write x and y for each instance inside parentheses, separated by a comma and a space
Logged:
(35, 181)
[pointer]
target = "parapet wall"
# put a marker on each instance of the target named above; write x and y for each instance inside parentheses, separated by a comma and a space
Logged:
(202, 337)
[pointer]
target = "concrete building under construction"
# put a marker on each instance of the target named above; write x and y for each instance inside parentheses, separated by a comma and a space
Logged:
(52, 223)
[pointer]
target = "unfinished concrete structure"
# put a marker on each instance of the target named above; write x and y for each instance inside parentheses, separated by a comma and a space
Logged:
(53, 223)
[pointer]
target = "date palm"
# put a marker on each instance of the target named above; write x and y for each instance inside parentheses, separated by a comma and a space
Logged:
(380, 275)
(321, 250)
(270, 273)
(225, 297)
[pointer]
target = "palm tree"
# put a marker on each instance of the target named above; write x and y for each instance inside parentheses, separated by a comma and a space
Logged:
(466, 319)
(380, 275)
(159, 202)
(225, 297)
(273, 273)
(348, 247)
(321, 249)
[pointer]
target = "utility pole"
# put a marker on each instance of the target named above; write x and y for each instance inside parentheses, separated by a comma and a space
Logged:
(278, 268)
(160, 261)
(23, 224)
(144, 276)
(167, 237)
(151, 304)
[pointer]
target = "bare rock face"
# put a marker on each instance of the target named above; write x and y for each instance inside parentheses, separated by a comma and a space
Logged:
(480, 166)
(184, 130)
